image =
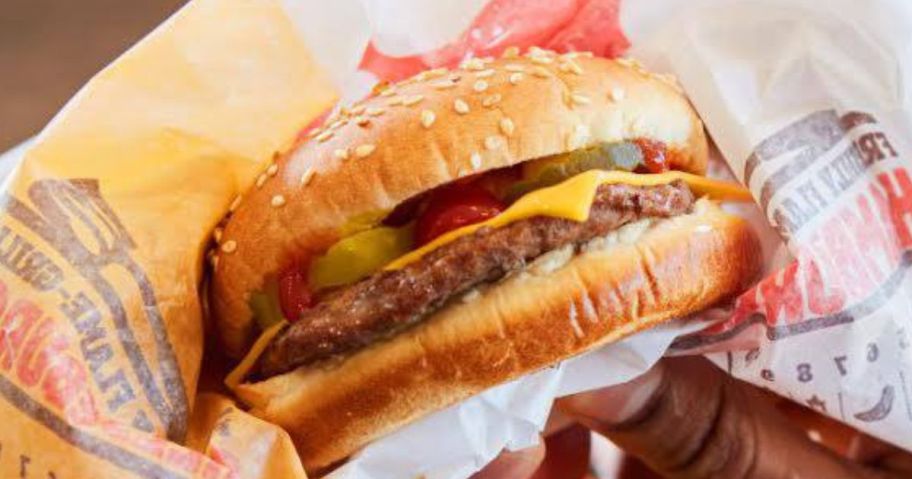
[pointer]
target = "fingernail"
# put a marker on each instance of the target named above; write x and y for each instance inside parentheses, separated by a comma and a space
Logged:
(615, 404)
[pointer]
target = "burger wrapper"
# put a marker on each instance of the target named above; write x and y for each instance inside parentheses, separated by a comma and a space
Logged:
(106, 221)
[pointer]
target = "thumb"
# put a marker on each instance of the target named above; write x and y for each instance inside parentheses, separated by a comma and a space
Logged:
(686, 418)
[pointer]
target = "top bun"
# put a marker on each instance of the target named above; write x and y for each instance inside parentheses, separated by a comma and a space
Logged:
(429, 130)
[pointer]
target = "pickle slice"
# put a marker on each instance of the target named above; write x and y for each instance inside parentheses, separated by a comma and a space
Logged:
(360, 255)
(265, 307)
(624, 155)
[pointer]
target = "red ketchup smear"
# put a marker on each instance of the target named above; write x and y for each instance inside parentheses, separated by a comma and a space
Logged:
(653, 155)
(295, 296)
(454, 207)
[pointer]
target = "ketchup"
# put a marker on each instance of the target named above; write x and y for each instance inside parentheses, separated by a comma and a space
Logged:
(295, 296)
(453, 207)
(653, 155)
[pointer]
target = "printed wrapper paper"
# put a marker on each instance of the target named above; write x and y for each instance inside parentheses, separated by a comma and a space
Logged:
(106, 222)
(809, 104)
(102, 236)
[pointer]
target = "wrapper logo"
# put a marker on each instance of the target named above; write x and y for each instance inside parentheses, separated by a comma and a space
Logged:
(836, 189)
(76, 351)
(814, 161)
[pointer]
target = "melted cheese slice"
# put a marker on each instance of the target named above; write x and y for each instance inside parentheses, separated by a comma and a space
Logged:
(240, 371)
(572, 199)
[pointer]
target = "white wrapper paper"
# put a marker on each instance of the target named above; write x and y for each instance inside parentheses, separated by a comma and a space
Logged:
(809, 104)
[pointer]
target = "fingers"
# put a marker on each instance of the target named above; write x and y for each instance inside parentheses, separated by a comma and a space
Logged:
(514, 464)
(686, 418)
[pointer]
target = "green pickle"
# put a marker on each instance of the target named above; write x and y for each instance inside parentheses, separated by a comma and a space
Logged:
(624, 155)
(360, 255)
(362, 222)
(265, 307)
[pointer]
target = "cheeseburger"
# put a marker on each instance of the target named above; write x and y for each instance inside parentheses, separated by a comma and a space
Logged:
(460, 229)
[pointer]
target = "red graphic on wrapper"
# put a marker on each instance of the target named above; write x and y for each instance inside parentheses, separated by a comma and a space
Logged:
(843, 200)
(561, 25)
(57, 355)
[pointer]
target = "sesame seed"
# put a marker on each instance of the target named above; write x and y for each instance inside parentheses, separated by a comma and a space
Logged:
(443, 84)
(515, 78)
(485, 73)
(217, 234)
(314, 132)
(511, 52)
(362, 120)
(487, 59)
(507, 126)
(491, 100)
(375, 111)
(334, 116)
(541, 72)
(617, 94)
(341, 153)
(535, 51)
(229, 246)
(542, 60)
(307, 176)
(475, 160)
(492, 142)
(394, 101)
(473, 64)
(357, 110)
(419, 77)
(512, 67)
(260, 181)
(630, 62)
(427, 118)
(337, 123)
(388, 92)
(409, 101)
(277, 201)
(324, 136)
(364, 150)
(461, 107)
(235, 203)
(571, 66)
(580, 99)
(436, 72)
(272, 170)
(480, 86)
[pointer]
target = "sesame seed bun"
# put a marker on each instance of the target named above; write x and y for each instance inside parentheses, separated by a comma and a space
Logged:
(558, 308)
(427, 131)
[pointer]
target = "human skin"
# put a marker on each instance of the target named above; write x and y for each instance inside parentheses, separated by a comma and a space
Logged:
(686, 418)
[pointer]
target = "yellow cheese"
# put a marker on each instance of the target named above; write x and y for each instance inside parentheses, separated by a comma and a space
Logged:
(572, 199)
(243, 368)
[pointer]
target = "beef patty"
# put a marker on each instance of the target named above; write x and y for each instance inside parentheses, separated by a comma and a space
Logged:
(388, 301)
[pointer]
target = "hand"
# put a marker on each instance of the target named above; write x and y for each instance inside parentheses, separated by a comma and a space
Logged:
(685, 418)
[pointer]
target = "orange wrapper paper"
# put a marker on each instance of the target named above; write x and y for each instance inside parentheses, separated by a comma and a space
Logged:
(102, 240)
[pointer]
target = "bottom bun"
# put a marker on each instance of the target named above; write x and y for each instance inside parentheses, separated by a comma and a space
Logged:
(559, 306)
